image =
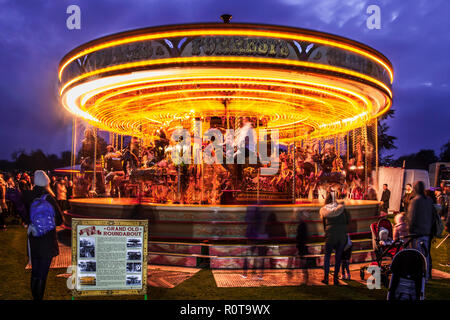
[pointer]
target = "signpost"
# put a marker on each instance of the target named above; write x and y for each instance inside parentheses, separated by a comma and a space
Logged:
(109, 257)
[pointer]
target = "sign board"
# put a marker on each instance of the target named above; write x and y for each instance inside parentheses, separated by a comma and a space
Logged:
(109, 257)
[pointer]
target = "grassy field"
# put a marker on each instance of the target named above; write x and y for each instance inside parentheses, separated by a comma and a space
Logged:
(15, 281)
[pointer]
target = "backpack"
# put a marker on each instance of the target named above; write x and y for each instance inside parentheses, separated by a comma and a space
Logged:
(42, 217)
(437, 227)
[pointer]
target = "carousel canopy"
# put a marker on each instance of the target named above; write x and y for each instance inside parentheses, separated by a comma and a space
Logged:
(303, 83)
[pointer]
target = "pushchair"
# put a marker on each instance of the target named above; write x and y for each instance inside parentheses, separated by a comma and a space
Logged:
(383, 250)
(408, 270)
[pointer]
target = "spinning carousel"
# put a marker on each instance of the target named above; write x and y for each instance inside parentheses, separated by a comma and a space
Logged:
(190, 125)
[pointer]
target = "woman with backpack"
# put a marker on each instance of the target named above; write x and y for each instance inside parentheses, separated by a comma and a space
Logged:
(42, 216)
(335, 220)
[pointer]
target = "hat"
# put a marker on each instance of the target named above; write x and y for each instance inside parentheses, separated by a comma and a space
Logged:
(41, 179)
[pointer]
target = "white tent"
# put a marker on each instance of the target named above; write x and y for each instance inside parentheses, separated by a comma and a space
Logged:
(396, 179)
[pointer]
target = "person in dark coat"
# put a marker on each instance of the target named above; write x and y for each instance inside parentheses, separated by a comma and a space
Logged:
(335, 220)
(302, 240)
(41, 250)
(407, 197)
(385, 196)
(420, 217)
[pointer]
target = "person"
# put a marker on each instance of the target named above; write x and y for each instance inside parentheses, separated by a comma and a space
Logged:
(400, 226)
(3, 207)
(53, 184)
(442, 201)
(256, 233)
(371, 193)
(17, 181)
(302, 239)
(61, 194)
(447, 228)
(407, 198)
(420, 217)
(385, 196)
(41, 250)
(346, 256)
(25, 183)
(335, 219)
(70, 190)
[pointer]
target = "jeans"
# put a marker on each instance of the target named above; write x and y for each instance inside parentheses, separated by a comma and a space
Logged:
(40, 267)
(338, 247)
(416, 244)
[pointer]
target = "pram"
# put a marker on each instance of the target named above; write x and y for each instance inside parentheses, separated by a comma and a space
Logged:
(408, 270)
(383, 250)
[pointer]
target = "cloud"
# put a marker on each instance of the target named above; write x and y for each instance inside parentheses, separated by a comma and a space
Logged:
(34, 38)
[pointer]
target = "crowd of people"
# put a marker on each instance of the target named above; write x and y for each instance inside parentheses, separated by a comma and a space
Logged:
(14, 186)
(420, 209)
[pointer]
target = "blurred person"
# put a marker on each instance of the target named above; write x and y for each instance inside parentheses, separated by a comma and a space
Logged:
(256, 234)
(70, 190)
(25, 182)
(400, 226)
(302, 240)
(442, 201)
(61, 194)
(385, 196)
(335, 220)
(41, 249)
(53, 183)
(447, 228)
(420, 217)
(371, 193)
(430, 194)
(346, 256)
(17, 179)
(407, 197)
(3, 206)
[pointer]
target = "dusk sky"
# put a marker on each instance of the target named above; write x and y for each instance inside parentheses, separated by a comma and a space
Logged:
(414, 35)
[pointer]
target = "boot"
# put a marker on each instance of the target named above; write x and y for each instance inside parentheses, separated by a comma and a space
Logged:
(34, 286)
(40, 289)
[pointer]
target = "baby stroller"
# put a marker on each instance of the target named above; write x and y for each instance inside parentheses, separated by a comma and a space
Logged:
(408, 270)
(383, 248)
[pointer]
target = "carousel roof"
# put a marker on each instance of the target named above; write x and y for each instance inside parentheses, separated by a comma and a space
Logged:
(301, 82)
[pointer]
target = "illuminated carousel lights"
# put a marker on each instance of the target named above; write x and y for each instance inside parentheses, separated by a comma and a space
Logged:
(229, 32)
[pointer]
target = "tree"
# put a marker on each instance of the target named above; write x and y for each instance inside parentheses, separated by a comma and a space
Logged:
(36, 160)
(386, 142)
(445, 152)
(419, 160)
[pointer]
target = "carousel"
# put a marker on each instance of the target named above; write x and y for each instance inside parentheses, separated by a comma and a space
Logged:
(192, 125)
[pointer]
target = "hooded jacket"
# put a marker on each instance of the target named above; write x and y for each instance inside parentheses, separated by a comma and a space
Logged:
(335, 221)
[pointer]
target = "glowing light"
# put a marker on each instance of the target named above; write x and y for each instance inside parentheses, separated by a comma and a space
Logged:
(229, 32)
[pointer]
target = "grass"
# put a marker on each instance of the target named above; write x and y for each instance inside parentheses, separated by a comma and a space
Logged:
(202, 286)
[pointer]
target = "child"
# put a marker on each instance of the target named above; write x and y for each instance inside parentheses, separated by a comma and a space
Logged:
(346, 255)
(384, 237)
(401, 226)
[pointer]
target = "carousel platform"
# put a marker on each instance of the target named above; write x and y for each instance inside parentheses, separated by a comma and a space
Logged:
(215, 236)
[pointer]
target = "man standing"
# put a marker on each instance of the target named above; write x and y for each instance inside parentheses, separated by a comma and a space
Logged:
(407, 198)
(385, 199)
(420, 217)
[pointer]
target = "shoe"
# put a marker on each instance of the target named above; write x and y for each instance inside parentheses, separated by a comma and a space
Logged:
(40, 289)
(260, 278)
(244, 276)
